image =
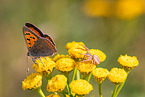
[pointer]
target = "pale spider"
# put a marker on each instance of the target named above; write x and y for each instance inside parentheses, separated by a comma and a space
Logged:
(88, 57)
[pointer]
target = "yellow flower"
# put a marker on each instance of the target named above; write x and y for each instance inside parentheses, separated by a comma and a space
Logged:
(99, 53)
(129, 9)
(71, 44)
(44, 65)
(117, 75)
(53, 95)
(33, 81)
(57, 83)
(85, 67)
(77, 51)
(81, 87)
(58, 56)
(94, 8)
(128, 62)
(100, 74)
(65, 64)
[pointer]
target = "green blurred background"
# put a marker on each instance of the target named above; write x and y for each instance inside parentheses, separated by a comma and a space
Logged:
(114, 26)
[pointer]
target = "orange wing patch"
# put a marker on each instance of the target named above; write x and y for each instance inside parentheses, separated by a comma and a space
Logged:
(30, 39)
(35, 31)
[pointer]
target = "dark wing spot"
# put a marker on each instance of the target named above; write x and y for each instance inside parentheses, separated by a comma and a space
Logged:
(27, 34)
(28, 39)
(32, 37)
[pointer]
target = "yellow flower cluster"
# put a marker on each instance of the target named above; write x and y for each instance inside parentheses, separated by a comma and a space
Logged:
(128, 9)
(128, 62)
(81, 87)
(117, 75)
(44, 65)
(123, 9)
(95, 8)
(81, 58)
(58, 56)
(100, 74)
(85, 67)
(32, 82)
(99, 53)
(57, 83)
(65, 64)
(76, 50)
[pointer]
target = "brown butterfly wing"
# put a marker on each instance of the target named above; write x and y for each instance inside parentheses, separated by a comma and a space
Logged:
(38, 44)
(42, 47)
(38, 32)
(30, 37)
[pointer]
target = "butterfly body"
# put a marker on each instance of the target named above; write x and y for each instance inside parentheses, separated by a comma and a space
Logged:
(38, 43)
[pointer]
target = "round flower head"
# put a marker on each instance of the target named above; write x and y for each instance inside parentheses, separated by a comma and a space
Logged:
(117, 75)
(94, 8)
(58, 56)
(128, 62)
(44, 65)
(100, 74)
(57, 83)
(71, 44)
(85, 67)
(53, 95)
(77, 51)
(129, 9)
(99, 53)
(80, 87)
(65, 64)
(33, 82)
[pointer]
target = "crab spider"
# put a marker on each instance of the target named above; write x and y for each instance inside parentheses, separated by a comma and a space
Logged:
(88, 57)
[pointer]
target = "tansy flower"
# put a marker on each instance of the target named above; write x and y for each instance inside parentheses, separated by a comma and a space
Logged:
(53, 95)
(99, 53)
(65, 64)
(44, 65)
(80, 87)
(85, 67)
(71, 44)
(58, 56)
(117, 75)
(128, 62)
(94, 8)
(57, 83)
(100, 74)
(33, 82)
(129, 9)
(77, 51)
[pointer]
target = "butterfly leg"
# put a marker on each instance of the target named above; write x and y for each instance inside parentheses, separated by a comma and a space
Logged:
(41, 62)
(45, 58)
(34, 60)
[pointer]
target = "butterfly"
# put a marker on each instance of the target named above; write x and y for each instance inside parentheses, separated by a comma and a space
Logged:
(38, 43)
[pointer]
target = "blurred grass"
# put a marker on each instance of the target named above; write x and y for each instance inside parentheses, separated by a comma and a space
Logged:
(66, 21)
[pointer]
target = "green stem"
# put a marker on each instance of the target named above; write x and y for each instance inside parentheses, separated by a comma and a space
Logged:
(120, 87)
(99, 87)
(74, 73)
(78, 74)
(89, 77)
(68, 88)
(114, 92)
(40, 92)
(63, 93)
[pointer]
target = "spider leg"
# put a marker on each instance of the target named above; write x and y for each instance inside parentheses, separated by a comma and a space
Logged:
(86, 60)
